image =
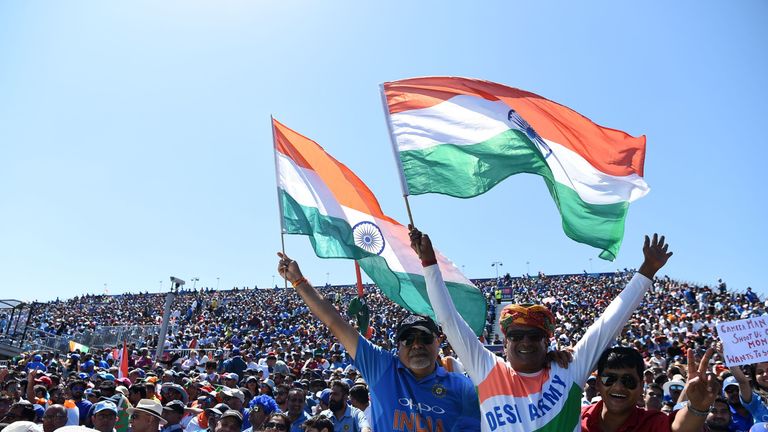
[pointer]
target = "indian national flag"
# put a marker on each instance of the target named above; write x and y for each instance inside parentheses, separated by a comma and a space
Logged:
(74, 346)
(321, 198)
(122, 360)
(461, 137)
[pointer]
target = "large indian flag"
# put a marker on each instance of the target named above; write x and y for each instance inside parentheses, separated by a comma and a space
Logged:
(321, 198)
(461, 137)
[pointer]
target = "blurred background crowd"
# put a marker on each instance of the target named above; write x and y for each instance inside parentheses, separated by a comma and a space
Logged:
(248, 350)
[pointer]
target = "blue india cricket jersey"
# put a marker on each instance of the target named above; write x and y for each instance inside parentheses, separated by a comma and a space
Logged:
(440, 402)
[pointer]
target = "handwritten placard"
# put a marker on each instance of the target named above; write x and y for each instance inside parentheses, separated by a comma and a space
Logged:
(744, 341)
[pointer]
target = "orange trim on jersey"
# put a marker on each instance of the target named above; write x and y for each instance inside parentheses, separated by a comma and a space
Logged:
(503, 381)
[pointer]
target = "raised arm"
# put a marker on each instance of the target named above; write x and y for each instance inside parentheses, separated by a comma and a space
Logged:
(476, 359)
(655, 256)
(608, 325)
(745, 388)
(323, 309)
(701, 389)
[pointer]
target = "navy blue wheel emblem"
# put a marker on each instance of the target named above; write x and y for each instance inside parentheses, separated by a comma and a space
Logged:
(368, 236)
(520, 123)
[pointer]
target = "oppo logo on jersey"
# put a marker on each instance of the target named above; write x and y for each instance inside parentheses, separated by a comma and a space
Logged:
(420, 407)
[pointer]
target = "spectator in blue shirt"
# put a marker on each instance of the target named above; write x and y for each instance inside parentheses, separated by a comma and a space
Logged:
(36, 363)
(345, 417)
(408, 388)
(296, 413)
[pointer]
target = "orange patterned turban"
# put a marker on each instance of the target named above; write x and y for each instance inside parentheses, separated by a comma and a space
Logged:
(531, 315)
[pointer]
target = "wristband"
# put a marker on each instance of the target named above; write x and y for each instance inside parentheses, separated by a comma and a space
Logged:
(428, 262)
(299, 281)
(696, 412)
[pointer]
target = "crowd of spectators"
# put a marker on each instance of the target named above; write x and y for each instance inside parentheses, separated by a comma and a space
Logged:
(244, 356)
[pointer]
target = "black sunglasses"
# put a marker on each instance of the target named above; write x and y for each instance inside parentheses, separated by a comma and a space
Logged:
(278, 426)
(410, 338)
(532, 335)
(628, 381)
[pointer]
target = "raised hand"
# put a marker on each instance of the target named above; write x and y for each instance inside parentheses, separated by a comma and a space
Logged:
(422, 245)
(702, 388)
(656, 255)
(562, 357)
(288, 268)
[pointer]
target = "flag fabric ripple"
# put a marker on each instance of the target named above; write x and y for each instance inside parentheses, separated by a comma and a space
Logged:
(461, 137)
(321, 198)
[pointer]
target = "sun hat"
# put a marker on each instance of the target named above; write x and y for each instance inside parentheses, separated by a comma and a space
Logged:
(151, 407)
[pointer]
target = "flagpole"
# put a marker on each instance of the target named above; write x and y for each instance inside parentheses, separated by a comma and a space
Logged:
(282, 244)
(277, 190)
(359, 280)
(396, 153)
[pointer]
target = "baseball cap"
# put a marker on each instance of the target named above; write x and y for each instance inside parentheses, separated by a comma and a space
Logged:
(324, 396)
(730, 381)
(104, 405)
(233, 414)
(44, 380)
(420, 322)
(269, 383)
(234, 393)
(219, 409)
(176, 406)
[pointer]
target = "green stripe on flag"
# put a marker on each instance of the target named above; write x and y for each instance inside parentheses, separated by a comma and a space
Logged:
(465, 171)
(410, 291)
(332, 238)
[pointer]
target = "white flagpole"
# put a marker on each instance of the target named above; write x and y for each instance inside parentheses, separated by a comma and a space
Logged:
(277, 189)
(396, 152)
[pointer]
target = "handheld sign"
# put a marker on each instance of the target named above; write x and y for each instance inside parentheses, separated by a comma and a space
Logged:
(744, 341)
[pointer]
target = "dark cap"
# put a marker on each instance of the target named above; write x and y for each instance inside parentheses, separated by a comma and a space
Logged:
(233, 414)
(219, 409)
(419, 322)
(176, 406)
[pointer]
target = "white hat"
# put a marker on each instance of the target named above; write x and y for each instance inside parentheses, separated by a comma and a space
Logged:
(235, 393)
(23, 426)
(676, 380)
(151, 407)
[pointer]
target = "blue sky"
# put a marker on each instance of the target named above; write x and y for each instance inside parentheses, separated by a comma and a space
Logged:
(135, 140)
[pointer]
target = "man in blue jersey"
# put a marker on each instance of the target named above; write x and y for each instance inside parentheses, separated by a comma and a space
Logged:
(409, 390)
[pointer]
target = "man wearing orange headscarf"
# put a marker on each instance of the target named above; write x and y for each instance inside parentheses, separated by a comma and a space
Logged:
(526, 392)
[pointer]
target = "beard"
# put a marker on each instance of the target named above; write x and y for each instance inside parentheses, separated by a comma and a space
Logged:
(420, 359)
(334, 405)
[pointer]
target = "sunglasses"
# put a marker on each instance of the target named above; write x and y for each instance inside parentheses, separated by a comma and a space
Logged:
(532, 335)
(410, 338)
(278, 426)
(628, 381)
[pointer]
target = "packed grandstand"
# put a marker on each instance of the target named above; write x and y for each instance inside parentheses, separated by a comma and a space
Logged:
(250, 348)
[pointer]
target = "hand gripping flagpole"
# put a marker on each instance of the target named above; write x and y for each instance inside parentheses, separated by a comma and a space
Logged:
(396, 153)
(277, 189)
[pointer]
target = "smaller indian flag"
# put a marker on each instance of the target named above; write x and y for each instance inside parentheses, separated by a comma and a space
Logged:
(74, 346)
(461, 137)
(320, 197)
(122, 360)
